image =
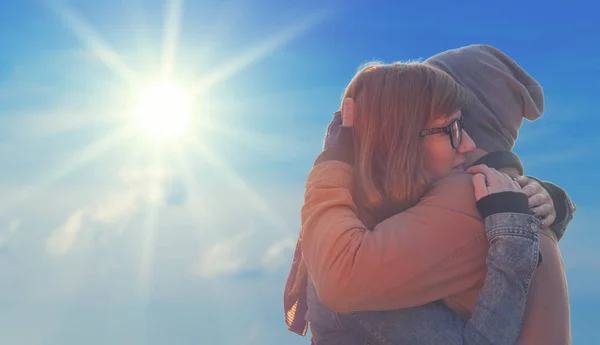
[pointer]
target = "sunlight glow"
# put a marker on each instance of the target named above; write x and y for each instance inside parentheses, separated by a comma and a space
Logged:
(163, 111)
(260, 50)
(93, 41)
(172, 25)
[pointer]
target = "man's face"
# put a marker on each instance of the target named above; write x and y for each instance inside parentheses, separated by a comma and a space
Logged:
(441, 158)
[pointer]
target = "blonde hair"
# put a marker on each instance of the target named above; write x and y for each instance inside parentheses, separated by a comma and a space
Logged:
(393, 103)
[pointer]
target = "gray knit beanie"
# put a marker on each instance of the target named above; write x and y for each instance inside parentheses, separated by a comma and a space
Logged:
(501, 94)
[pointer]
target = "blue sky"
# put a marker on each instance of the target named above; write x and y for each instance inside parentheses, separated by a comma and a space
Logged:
(105, 238)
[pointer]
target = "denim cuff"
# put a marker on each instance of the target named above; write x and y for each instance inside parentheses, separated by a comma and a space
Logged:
(504, 226)
(512, 224)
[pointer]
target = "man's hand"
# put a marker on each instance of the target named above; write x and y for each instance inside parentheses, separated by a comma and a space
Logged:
(540, 201)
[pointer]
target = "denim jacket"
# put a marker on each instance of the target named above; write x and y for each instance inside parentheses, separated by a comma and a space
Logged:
(512, 258)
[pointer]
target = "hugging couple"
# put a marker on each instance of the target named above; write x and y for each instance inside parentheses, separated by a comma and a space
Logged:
(418, 226)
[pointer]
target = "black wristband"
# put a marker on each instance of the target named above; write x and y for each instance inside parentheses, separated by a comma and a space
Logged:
(502, 202)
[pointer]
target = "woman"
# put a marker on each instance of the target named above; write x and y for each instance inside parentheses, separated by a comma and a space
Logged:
(393, 171)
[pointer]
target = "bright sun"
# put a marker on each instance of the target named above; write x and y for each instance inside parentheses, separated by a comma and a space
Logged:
(163, 111)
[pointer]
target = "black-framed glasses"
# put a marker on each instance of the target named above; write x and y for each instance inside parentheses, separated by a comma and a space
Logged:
(454, 131)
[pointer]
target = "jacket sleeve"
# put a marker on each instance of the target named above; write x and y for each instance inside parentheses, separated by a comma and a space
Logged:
(498, 316)
(430, 251)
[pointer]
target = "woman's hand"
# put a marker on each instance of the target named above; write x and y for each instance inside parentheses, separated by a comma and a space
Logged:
(540, 201)
(488, 181)
(348, 108)
(343, 118)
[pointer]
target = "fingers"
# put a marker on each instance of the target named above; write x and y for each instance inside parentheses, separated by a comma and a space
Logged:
(481, 189)
(532, 188)
(542, 211)
(496, 181)
(542, 207)
(549, 220)
(488, 181)
(477, 169)
(490, 175)
(348, 109)
(546, 220)
(523, 180)
(540, 199)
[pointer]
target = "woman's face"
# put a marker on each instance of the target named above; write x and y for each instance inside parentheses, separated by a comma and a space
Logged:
(440, 157)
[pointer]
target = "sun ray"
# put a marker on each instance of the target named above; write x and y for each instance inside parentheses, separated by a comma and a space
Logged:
(193, 189)
(135, 156)
(259, 51)
(149, 239)
(261, 143)
(186, 170)
(138, 23)
(102, 237)
(76, 161)
(246, 191)
(93, 41)
(171, 30)
(224, 22)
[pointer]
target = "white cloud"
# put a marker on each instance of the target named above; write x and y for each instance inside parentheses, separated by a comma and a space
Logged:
(224, 257)
(5, 236)
(65, 237)
(278, 254)
(244, 252)
(124, 204)
(139, 188)
(116, 207)
(253, 242)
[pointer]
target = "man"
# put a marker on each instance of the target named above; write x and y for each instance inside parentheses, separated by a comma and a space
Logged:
(501, 94)
(493, 123)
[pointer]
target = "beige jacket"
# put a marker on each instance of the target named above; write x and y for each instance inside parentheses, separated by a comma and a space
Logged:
(434, 250)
